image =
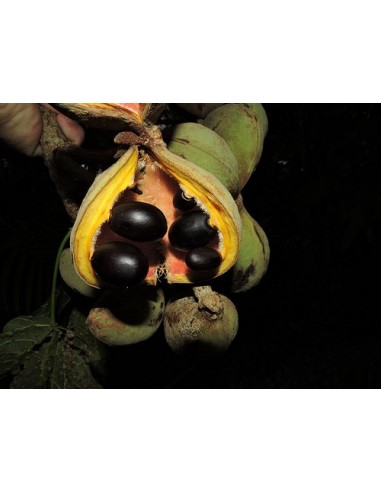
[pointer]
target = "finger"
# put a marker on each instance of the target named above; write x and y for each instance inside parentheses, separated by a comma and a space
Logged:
(20, 126)
(71, 129)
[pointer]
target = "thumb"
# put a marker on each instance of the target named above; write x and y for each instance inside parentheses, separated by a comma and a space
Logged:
(71, 129)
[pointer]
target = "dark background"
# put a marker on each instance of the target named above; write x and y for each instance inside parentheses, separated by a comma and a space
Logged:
(313, 320)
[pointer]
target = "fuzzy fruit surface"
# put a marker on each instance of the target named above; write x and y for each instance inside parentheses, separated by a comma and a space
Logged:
(127, 316)
(203, 323)
(253, 257)
(243, 127)
(71, 278)
(203, 146)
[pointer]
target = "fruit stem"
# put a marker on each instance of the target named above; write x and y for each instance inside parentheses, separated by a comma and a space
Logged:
(209, 302)
(54, 281)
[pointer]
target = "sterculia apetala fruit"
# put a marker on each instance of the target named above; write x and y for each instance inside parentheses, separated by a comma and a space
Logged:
(158, 213)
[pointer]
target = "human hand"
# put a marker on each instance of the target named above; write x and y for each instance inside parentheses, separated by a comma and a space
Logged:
(21, 126)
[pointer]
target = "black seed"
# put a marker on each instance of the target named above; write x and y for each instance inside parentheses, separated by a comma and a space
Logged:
(138, 221)
(203, 258)
(120, 264)
(191, 230)
(182, 202)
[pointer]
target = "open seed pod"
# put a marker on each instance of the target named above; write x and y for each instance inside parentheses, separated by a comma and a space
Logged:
(151, 214)
(131, 227)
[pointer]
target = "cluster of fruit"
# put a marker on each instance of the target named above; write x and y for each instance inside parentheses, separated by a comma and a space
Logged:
(169, 213)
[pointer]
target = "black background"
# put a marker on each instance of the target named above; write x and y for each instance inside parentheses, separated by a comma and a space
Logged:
(313, 320)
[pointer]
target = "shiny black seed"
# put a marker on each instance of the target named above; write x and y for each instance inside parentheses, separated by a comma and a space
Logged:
(120, 264)
(138, 221)
(203, 259)
(191, 230)
(182, 202)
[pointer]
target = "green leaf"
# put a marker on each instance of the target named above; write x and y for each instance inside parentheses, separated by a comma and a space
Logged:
(83, 339)
(93, 351)
(42, 311)
(40, 355)
(20, 337)
(72, 370)
(39, 368)
(57, 366)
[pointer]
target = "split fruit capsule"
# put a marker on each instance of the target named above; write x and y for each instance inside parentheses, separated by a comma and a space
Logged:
(154, 216)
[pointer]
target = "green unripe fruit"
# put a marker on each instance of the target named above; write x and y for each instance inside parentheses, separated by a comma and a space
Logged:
(253, 257)
(199, 109)
(261, 115)
(71, 278)
(204, 147)
(127, 316)
(243, 127)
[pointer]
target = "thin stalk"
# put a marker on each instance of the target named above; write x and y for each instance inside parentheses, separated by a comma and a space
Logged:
(54, 282)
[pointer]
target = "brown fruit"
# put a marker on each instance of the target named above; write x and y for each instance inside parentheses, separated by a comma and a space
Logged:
(205, 322)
